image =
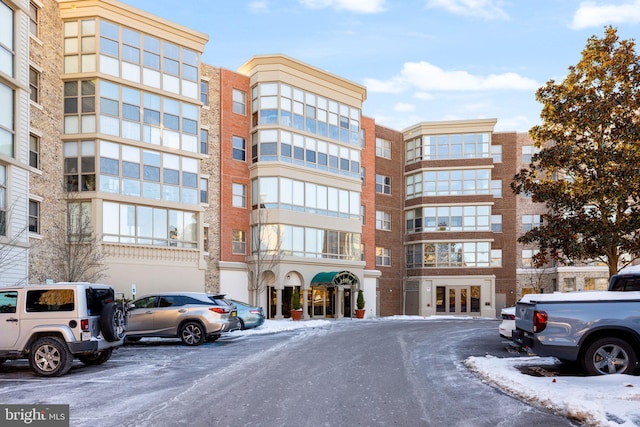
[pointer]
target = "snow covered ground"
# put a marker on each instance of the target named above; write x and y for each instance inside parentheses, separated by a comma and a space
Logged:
(603, 401)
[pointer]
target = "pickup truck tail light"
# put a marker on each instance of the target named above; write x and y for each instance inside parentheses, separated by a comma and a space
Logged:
(539, 321)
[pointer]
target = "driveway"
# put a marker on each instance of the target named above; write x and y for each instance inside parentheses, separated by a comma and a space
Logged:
(367, 373)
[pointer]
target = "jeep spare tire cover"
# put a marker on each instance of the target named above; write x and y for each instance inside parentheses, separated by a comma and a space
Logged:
(112, 322)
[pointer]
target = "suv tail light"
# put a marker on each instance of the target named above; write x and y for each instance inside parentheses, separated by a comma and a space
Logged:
(539, 321)
(220, 310)
(84, 324)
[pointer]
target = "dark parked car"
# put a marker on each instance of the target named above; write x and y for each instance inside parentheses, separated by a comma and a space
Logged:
(191, 316)
(250, 316)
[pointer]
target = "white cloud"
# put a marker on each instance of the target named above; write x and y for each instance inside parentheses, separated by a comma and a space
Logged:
(390, 86)
(403, 107)
(590, 14)
(360, 6)
(424, 96)
(485, 9)
(424, 76)
(258, 6)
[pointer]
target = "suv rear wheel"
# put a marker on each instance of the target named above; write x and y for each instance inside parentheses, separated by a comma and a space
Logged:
(50, 357)
(96, 358)
(192, 333)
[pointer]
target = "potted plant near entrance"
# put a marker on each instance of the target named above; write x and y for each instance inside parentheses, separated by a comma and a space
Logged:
(296, 310)
(360, 305)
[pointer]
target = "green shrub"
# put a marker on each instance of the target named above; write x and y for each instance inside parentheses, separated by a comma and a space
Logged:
(360, 300)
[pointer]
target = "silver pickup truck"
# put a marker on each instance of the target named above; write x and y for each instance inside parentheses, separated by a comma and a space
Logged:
(599, 329)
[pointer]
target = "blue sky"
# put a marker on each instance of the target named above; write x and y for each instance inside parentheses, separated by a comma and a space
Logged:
(421, 60)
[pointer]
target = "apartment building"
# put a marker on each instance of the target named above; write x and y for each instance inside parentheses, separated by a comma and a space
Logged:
(117, 124)
(454, 214)
(247, 182)
(292, 144)
(15, 219)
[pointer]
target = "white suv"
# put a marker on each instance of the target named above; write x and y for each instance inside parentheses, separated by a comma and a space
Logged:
(51, 324)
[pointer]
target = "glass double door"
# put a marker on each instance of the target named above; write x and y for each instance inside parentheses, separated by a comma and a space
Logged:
(325, 302)
(458, 299)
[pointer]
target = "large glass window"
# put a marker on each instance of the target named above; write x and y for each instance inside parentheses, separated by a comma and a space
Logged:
(276, 103)
(305, 242)
(130, 55)
(290, 194)
(448, 183)
(147, 117)
(148, 173)
(448, 218)
(454, 146)
(149, 226)
(452, 254)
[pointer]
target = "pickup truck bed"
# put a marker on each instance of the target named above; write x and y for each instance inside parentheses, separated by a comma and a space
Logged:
(597, 328)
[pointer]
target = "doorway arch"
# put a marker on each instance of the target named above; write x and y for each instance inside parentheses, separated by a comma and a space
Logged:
(332, 294)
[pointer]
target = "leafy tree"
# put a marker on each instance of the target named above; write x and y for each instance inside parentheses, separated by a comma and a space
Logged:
(586, 171)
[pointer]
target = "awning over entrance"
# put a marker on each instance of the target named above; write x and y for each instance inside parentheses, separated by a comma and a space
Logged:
(334, 278)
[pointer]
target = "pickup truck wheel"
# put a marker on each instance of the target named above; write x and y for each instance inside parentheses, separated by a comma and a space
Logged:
(609, 356)
(96, 358)
(112, 322)
(192, 333)
(50, 357)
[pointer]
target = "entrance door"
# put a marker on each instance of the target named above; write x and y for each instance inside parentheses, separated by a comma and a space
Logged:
(322, 301)
(458, 299)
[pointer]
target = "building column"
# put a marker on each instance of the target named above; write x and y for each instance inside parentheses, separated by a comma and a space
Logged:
(278, 304)
(305, 306)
